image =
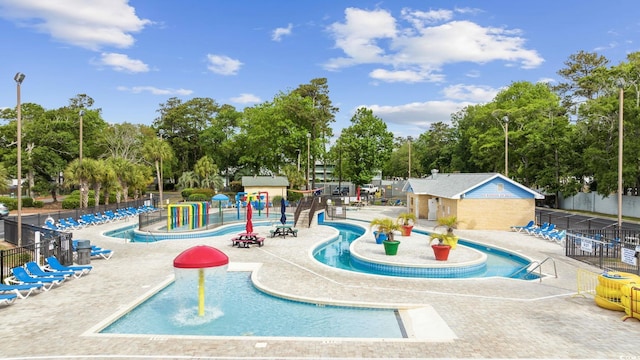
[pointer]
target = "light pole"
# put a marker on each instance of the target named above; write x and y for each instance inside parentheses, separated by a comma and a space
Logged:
(409, 138)
(308, 157)
(81, 115)
(620, 83)
(504, 122)
(19, 78)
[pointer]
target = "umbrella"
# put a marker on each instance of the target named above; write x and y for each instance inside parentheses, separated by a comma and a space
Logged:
(358, 193)
(220, 198)
(249, 227)
(283, 208)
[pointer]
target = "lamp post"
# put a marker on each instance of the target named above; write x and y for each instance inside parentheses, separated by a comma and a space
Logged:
(81, 116)
(19, 78)
(409, 138)
(308, 157)
(620, 83)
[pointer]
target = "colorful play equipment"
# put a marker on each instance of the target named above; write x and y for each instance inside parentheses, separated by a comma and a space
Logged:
(200, 270)
(619, 291)
(192, 215)
(259, 201)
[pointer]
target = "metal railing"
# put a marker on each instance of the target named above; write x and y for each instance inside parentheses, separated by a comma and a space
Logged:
(610, 249)
(39, 243)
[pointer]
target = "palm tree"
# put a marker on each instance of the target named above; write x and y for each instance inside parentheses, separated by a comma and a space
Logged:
(188, 179)
(79, 174)
(157, 150)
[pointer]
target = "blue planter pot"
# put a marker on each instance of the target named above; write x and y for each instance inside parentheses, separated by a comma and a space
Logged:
(380, 237)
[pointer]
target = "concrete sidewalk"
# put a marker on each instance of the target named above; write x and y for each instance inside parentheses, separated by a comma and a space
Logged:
(451, 318)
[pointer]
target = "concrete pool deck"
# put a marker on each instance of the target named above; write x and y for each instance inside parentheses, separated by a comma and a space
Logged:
(479, 318)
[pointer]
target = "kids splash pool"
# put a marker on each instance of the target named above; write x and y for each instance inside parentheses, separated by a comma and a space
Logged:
(245, 311)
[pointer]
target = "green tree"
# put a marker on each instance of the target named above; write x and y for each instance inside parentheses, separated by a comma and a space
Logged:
(156, 151)
(368, 145)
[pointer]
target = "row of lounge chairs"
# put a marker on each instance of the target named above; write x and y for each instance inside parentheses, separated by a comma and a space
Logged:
(33, 278)
(547, 231)
(98, 218)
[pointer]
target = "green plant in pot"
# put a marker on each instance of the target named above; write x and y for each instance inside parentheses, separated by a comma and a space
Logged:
(387, 226)
(406, 220)
(445, 241)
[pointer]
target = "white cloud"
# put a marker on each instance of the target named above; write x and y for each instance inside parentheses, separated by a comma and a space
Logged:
(475, 93)
(155, 91)
(121, 62)
(246, 99)
(418, 114)
(88, 24)
(278, 33)
(428, 41)
(223, 65)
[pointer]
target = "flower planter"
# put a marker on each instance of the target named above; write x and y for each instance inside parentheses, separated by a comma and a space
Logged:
(391, 247)
(380, 237)
(406, 230)
(441, 251)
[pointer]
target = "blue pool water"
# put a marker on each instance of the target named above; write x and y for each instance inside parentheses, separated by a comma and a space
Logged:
(336, 253)
(245, 311)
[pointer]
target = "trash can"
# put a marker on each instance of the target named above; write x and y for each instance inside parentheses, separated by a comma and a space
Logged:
(83, 249)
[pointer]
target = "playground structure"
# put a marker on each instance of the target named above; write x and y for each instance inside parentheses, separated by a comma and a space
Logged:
(259, 201)
(189, 215)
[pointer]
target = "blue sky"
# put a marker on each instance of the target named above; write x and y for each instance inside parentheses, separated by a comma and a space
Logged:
(412, 62)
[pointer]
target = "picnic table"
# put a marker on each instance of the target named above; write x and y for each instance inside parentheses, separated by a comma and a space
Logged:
(246, 239)
(284, 230)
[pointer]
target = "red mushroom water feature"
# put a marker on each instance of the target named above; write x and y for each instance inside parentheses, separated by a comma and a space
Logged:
(200, 267)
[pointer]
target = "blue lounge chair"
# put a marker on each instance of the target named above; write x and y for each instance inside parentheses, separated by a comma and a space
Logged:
(7, 299)
(79, 270)
(21, 276)
(542, 232)
(21, 290)
(35, 270)
(520, 228)
(535, 229)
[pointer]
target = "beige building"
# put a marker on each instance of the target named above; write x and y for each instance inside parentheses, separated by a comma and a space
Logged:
(273, 185)
(485, 201)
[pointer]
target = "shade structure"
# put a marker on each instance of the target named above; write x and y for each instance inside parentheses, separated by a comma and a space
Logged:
(220, 198)
(283, 209)
(201, 256)
(249, 226)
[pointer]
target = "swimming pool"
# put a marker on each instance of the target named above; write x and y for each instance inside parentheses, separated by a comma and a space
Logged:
(335, 252)
(500, 263)
(246, 311)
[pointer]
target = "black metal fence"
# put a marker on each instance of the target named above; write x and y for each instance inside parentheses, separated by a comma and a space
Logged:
(608, 249)
(37, 244)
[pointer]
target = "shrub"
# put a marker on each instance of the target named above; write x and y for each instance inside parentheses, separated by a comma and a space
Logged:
(294, 196)
(71, 202)
(38, 204)
(199, 197)
(27, 202)
(187, 192)
(276, 201)
(11, 203)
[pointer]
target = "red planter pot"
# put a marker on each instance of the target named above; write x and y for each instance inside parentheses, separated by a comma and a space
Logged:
(441, 251)
(406, 230)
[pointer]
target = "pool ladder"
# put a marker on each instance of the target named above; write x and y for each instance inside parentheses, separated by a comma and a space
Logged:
(538, 266)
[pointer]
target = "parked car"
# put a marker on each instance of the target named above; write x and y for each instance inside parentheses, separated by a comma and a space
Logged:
(369, 189)
(4, 211)
(343, 192)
